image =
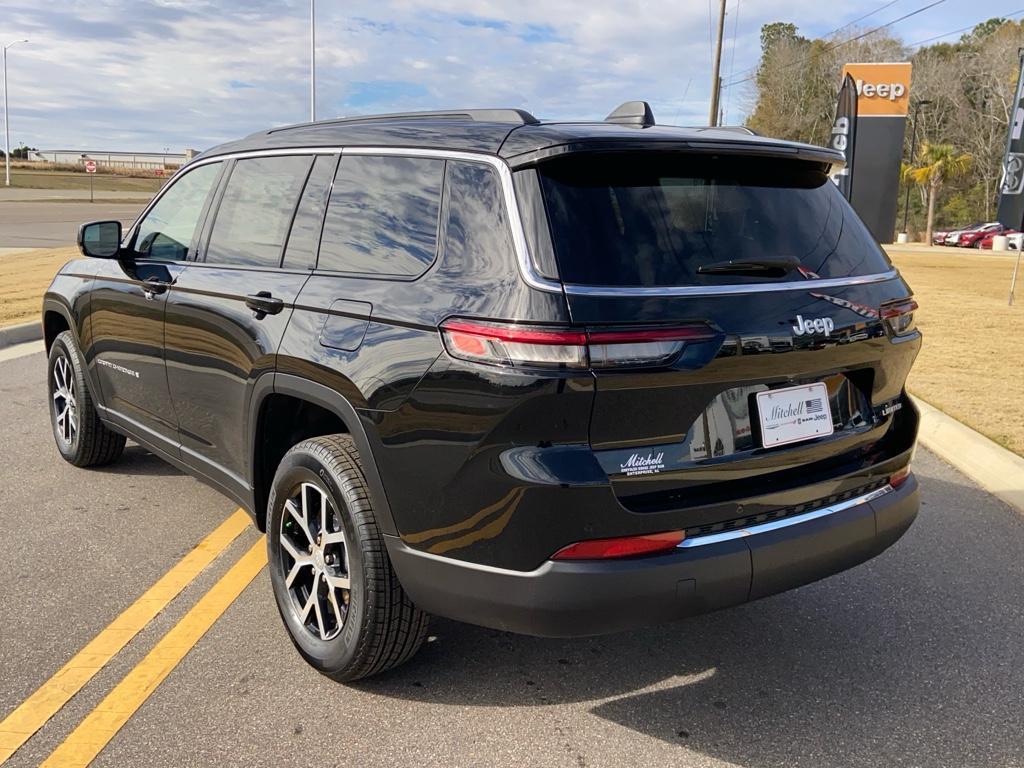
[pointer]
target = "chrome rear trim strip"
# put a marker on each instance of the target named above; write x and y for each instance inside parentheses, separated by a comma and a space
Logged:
(774, 525)
(573, 289)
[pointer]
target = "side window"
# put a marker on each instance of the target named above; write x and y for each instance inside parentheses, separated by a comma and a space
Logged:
(382, 217)
(256, 210)
(478, 238)
(167, 231)
(300, 252)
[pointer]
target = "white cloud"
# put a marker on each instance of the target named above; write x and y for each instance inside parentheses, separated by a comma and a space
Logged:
(144, 74)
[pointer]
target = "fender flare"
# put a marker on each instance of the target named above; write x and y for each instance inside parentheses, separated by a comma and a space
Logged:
(331, 400)
(51, 303)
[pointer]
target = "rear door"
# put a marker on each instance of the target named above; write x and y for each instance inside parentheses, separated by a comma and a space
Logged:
(229, 310)
(791, 376)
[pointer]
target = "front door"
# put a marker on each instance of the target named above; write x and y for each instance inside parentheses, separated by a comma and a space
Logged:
(228, 311)
(126, 327)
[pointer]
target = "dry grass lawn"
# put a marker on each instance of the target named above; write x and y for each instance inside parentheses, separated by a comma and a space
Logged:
(24, 277)
(972, 362)
(971, 365)
(102, 182)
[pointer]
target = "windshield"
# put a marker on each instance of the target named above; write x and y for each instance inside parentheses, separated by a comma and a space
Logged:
(654, 219)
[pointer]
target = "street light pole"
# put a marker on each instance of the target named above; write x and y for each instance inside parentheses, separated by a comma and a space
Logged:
(312, 60)
(7, 120)
(913, 149)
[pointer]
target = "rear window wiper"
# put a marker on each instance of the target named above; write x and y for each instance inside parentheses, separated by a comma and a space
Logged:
(778, 266)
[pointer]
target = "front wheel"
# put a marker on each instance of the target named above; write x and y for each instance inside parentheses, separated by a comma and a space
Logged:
(334, 585)
(82, 439)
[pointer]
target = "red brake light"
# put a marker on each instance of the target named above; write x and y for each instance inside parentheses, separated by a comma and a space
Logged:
(536, 346)
(898, 316)
(624, 546)
(899, 477)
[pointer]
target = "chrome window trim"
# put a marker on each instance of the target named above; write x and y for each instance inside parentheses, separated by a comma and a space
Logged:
(573, 289)
(526, 270)
(774, 525)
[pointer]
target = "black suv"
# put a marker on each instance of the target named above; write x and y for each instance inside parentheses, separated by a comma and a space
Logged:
(553, 378)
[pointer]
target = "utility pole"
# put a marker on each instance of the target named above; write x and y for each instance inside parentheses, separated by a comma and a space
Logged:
(312, 60)
(7, 120)
(913, 151)
(716, 79)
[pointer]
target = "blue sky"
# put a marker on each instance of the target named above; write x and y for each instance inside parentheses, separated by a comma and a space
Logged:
(149, 74)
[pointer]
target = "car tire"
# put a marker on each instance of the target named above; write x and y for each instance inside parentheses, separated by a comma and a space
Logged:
(335, 588)
(82, 439)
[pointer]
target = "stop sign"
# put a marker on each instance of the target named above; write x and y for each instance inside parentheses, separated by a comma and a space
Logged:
(90, 166)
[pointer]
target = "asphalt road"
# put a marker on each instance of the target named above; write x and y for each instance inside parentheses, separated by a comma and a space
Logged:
(913, 659)
(27, 223)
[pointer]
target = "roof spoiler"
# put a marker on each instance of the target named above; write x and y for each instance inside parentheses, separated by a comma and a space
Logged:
(636, 113)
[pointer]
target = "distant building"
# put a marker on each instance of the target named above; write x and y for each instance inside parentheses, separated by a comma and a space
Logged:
(105, 159)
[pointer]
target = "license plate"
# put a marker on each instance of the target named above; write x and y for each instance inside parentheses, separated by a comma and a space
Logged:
(793, 414)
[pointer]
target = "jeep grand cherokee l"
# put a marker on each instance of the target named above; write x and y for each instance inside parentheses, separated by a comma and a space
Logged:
(553, 378)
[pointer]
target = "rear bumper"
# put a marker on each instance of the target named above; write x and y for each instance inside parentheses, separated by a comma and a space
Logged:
(568, 599)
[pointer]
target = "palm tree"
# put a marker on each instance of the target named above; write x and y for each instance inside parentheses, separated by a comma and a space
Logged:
(936, 164)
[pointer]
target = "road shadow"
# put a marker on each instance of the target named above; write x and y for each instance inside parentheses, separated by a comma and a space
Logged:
(138, 461)
(915, 658)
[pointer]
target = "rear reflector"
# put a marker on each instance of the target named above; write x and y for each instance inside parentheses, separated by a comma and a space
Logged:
(625, 546)
(535, 346)
(899, 477)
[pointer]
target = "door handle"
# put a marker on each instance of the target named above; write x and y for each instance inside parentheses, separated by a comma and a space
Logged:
(152, 287)
(263, 304)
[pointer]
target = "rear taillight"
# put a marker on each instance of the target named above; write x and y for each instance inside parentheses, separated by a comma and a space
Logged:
(624, 546)
(898, 316)
(899, 477)
(525, 346)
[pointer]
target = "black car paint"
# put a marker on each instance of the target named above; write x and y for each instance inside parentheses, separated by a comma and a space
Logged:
(484, 466)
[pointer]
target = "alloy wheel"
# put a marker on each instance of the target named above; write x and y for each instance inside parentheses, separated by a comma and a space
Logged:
(314, 559)
(65, 407)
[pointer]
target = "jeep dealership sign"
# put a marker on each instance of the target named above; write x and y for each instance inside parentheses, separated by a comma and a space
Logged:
(883, 100)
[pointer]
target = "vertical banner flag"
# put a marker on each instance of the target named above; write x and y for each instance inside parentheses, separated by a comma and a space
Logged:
(843, 133)
(883, 100)
(1011, 199)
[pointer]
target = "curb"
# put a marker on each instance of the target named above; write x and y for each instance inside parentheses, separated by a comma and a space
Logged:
(19, 334)
(995, 469)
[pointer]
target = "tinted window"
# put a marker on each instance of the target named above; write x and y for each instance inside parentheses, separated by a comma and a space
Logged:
(382, 217)
(256, 210)
(305, 234)
(653, 221)
(477, 238)
(167, 230)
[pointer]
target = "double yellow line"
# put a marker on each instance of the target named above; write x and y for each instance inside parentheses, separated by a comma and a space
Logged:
(100, 725)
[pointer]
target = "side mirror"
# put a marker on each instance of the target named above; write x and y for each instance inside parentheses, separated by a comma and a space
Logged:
(100, 239)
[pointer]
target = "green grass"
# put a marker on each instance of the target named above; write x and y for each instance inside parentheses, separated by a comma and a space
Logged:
(63, 180)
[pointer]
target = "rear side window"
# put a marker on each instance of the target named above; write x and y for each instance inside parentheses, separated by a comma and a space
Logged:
(653, 220)
(383, 215)
(256, 210)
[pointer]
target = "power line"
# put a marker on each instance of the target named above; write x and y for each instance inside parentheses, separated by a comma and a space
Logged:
(833, 46)
(861, 18)
(827, 34)
(732, 55)
(1008, 17)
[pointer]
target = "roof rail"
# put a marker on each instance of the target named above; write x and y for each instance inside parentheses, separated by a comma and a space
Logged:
(517, 116)
(729, 128)
(636, 113)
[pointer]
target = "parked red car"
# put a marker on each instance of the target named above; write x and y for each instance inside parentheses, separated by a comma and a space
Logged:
(972, 236)
(986, 241)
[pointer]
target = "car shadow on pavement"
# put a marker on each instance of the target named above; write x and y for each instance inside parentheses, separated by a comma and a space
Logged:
(912, 659)
(136, 460)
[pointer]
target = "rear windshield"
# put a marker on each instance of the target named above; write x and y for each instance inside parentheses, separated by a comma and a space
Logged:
(653, 220)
